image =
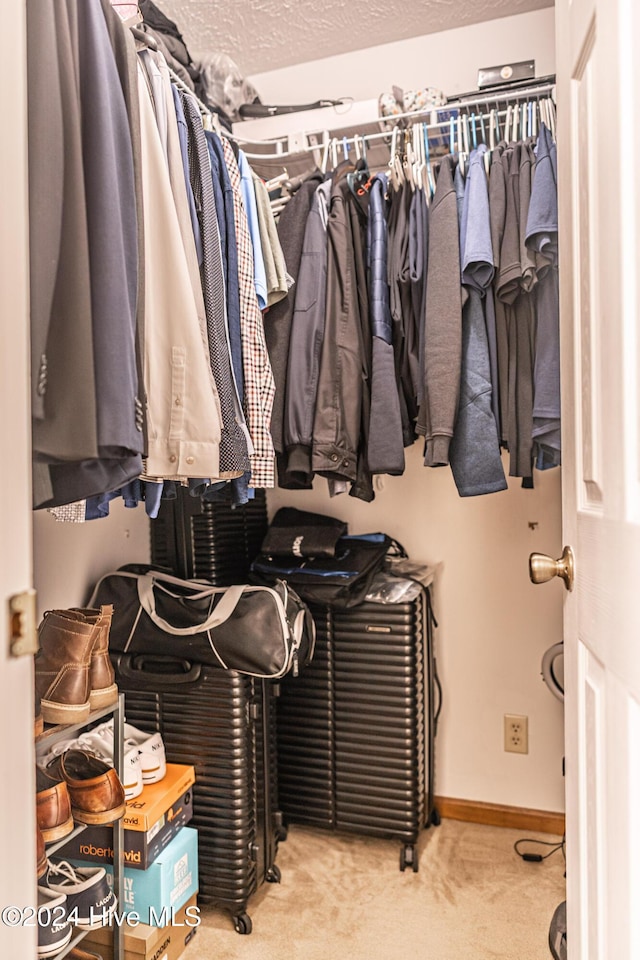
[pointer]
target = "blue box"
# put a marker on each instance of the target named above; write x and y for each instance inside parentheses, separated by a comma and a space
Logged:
(163, 887)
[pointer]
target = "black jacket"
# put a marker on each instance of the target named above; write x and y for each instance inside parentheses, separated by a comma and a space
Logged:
(342, 408)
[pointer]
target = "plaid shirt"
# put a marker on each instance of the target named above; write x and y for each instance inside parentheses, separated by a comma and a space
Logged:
(259, 385)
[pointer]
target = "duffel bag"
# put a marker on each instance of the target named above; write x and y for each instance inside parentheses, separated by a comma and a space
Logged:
(261, 631)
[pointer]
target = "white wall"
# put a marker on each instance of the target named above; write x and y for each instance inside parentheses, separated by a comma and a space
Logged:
(70, 557)
(494, 625)
(448, 61)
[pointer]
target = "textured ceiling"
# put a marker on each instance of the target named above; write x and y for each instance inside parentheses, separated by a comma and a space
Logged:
(263, 35)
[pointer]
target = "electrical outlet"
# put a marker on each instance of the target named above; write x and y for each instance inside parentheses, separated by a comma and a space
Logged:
(516, 733)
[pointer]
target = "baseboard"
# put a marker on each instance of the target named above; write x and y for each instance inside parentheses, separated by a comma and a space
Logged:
(500, 815)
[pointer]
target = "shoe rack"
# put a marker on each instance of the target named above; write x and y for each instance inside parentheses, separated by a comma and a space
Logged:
(44, 743)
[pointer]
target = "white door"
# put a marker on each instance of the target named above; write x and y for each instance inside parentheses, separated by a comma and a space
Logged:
(17, 803)
(598, 57)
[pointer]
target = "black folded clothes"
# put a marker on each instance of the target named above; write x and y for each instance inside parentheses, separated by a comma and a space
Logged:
(340, 578)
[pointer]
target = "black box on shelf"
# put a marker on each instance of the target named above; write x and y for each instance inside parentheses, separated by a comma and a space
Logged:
(141, 847)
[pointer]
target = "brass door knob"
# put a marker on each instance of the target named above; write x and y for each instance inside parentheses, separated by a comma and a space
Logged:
(543, 568)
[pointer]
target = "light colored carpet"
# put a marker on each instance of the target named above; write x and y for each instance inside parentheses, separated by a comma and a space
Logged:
(345, 897)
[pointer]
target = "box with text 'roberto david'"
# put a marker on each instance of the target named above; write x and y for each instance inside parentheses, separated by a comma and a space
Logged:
(142, 942)
(164, 886)
(147, 810)
(140, 849)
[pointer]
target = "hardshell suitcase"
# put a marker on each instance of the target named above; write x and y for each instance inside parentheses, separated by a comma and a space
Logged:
(356, 729)
(223, 723)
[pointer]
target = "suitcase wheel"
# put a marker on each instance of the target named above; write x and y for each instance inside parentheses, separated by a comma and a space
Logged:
(409, 857)
(273, 874)
(242, 923)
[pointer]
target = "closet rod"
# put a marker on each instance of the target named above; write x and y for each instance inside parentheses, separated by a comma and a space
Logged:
(521, 94)
(442, 125)
(505, 96)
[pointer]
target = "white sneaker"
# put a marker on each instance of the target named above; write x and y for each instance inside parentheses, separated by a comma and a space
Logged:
(99, 741)
(152, 752)
(150, 747)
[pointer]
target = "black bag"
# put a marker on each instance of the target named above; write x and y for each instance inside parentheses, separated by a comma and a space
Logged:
(342, 580)
(297, 533)
(260, 631)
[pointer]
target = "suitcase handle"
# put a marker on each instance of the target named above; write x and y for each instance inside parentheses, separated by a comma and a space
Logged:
(138, 670)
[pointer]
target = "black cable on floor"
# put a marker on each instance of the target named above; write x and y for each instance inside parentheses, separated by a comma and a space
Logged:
(539, 857)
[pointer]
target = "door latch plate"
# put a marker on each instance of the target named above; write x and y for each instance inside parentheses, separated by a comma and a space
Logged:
(23, 631)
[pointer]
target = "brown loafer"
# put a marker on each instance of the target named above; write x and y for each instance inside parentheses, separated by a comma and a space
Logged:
(53, 806)
(97, 795)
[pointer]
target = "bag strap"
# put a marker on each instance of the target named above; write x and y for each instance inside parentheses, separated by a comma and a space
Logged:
(223, 609)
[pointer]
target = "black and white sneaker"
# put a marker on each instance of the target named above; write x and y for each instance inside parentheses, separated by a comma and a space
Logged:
(90, 900)
(54, 929)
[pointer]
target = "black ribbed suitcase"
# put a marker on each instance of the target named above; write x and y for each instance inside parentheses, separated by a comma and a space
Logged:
(210, 541)
(356, 729)
(223, 723)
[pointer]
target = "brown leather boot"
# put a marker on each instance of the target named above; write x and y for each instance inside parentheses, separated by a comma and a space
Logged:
(104, 690)
(62, 668)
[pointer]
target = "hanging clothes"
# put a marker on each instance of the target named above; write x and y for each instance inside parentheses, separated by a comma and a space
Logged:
(90, 437)
(443, 322)
(336, 427)
(234, 456)
(542, 237)
(258, 376)
(385, 449)
(520, 318)
(461, 311)
(389, 313)
(305, 350)
(184, 415)
(475, 451)
(274, 265)
(124, 52)
(291, 229)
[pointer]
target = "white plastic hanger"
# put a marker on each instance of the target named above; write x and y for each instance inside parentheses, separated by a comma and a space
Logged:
(461, 144)
(492, 129)
(325, 151)
(430, 183)
(395, 166)
(516, 118)
(552, 117)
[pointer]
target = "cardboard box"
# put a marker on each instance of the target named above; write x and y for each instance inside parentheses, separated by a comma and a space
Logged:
(146, 812)
(166, 885)
(95, 843)
(150, 943)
